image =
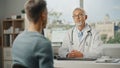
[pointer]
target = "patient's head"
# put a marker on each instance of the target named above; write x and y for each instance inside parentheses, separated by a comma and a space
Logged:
(36, 12)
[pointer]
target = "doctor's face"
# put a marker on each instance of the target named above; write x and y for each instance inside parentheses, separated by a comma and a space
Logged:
(79, 17)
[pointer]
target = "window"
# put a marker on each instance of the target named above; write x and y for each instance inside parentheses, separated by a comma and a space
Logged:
(105, 15)
(59, 17)
(63, 8)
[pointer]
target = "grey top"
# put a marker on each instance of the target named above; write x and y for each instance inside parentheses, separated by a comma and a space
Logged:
(32, 50)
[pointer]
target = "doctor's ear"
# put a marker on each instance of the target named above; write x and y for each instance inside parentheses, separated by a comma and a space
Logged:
(85, 17)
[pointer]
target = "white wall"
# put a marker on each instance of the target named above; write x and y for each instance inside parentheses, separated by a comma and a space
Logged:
(1, 8)
(10, 7)
(1, 12)
(1, 15)
(14, 7)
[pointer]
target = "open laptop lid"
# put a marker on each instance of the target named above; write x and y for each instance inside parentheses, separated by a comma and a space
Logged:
(112, 50)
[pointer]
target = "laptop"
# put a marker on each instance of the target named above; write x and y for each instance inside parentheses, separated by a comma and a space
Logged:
(113, 52)
(76, 59)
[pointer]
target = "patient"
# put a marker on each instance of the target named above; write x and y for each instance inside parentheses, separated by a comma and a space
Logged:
(31, 49)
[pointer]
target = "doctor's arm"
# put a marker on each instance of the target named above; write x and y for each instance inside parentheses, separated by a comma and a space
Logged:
(95, 47)
(64, 49)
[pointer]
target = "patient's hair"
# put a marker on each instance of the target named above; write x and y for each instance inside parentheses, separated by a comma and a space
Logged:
(34, 9)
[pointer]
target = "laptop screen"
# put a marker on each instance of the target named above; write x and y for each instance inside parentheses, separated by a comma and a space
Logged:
(112, 51)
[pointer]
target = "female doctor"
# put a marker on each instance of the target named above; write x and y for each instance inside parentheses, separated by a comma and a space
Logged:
(81, 41)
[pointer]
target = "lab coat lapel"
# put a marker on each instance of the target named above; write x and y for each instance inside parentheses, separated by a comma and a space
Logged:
(84, 36)
(85, 33)
(76, 39)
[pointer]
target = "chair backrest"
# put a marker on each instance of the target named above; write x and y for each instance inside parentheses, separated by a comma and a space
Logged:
(18, 66)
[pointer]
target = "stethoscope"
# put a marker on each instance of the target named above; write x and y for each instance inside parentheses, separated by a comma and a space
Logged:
(89, 34)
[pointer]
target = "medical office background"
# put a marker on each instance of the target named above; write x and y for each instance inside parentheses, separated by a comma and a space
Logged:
(103, 15)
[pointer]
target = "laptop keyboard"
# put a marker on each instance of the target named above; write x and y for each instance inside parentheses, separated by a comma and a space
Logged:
(78, 59)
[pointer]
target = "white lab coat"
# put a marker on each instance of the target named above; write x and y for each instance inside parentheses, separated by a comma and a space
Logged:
(89, 44)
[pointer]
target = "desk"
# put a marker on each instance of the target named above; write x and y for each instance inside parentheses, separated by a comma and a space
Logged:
(83, 64)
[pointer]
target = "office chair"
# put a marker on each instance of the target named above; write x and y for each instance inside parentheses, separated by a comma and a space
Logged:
(18, 66)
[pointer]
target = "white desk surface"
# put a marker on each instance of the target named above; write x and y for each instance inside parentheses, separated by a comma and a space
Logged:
(83, 64)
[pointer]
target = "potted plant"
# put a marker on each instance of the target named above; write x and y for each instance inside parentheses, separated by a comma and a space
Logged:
(23, 13)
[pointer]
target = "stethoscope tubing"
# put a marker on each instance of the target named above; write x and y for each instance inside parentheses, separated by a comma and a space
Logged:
(89, 33)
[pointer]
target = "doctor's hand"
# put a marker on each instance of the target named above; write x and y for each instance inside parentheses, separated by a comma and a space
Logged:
(75, 54)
